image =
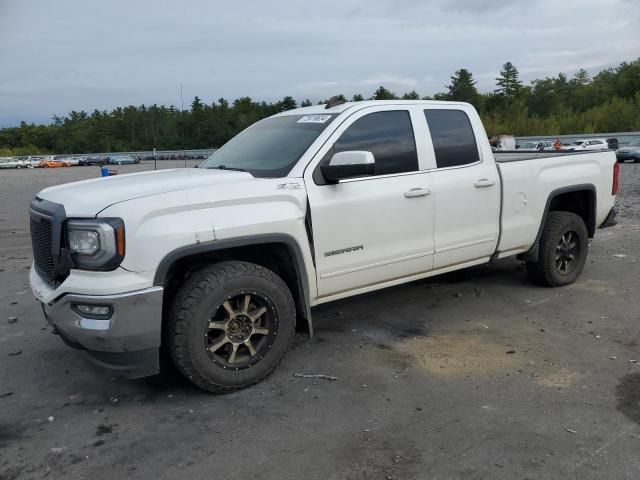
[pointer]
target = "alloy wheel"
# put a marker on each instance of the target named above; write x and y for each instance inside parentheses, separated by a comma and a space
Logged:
(567, 252)
(241, 331)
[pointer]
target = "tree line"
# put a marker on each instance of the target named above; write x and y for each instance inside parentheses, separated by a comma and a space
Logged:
(607, 102)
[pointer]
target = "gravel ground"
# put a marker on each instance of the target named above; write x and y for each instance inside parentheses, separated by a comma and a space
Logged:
(628, 199)
(473, 375)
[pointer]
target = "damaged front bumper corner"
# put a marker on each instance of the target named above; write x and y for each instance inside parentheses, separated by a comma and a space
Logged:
(125, 340)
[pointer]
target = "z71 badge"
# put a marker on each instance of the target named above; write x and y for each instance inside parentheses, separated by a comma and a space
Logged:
(289, 186)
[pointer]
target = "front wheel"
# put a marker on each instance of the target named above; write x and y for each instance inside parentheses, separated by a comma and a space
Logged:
(230, 325)
(562, 250)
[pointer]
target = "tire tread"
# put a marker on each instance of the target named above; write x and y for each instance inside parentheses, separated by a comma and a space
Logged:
(195, 289)
(541, 272)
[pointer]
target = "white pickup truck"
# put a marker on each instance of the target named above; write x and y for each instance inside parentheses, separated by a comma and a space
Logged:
(214, 265)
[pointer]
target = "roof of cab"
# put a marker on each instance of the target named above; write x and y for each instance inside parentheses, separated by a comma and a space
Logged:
(319, 109)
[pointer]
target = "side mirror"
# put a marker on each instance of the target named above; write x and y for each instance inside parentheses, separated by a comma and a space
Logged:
(343, 165)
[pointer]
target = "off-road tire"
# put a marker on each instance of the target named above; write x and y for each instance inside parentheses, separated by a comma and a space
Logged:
(545, 271)
(190, 312)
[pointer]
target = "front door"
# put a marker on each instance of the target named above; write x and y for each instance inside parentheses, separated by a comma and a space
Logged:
(374, 229)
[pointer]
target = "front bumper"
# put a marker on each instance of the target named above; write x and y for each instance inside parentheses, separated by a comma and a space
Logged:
(127, 342)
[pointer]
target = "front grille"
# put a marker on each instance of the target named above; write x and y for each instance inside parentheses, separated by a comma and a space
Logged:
(41, 238)
(51, 261)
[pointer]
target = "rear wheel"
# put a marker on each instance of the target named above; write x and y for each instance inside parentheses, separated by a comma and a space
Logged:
(562, 250)
(230, 325)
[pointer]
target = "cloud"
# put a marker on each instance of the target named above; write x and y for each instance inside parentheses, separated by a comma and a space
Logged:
(63, 55)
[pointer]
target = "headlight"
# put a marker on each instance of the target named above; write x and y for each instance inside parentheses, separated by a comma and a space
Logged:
(96, 244)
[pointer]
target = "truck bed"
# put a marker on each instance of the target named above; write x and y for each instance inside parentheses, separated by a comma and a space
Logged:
(526, 188)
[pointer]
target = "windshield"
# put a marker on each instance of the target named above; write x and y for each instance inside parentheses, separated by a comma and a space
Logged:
(635, 143)
(529, 145)
(271, 147)
(579, 143)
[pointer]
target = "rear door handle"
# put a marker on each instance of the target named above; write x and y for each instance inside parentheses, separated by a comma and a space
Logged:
(417, 192)
(484, 182)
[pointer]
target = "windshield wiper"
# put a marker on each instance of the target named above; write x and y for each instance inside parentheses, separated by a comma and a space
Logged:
(224, 167)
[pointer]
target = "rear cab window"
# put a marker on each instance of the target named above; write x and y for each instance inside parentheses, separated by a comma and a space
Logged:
(454, 142)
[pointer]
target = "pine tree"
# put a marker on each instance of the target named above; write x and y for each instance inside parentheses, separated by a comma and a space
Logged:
(463, 88)
(287, 103)
(306, 103)
(581, 77)
(412, 95)
(383, 94)
(509, 85)
(357, 98)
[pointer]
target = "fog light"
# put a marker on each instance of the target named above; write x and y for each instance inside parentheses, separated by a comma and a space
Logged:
(93, 311)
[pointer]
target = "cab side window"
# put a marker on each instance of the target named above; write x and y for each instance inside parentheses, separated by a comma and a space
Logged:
(388, 135)
(454, 142)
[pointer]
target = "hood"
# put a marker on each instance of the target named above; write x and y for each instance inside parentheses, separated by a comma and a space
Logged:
(89, 197)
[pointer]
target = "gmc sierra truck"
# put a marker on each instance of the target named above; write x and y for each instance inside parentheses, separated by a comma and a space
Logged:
(214, 265)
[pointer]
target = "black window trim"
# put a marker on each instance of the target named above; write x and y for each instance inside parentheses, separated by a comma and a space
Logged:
(376, 108)
(466, 165)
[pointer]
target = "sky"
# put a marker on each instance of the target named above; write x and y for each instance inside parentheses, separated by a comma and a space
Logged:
(62, 55)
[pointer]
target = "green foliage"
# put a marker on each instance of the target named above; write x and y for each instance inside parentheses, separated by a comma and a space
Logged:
(608, 102)
(383, 94)
(412, 95)
(509, 84)
(463, 88)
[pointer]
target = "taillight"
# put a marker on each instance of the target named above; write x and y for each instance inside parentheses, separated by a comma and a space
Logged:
(616, 174)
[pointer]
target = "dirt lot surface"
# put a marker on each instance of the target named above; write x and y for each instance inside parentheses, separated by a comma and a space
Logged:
(476, 375)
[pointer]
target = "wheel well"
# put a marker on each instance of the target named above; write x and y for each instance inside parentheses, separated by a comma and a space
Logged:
(277, 257)
(580, 202)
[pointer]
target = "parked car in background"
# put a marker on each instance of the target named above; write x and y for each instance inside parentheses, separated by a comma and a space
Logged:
(94, 160)
(590, 144)
(28, 162)
(11, 162)
(630, 152)
(54, 162)
(33, 161)
(535, 146)
(73, 161)
(123, 160)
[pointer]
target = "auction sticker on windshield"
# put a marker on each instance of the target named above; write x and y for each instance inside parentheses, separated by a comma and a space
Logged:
(314, 119)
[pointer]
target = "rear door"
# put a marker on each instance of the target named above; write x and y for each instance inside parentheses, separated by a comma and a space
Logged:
(467, 190)
(374, 229)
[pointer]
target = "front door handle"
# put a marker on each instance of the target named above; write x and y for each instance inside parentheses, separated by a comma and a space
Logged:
(417, 192)
(484, 182)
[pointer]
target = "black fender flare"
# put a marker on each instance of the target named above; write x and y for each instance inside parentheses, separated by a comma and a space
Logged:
(217, 245)
(531, 255)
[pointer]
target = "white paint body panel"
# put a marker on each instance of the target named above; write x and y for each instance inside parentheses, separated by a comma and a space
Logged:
(402, 238)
